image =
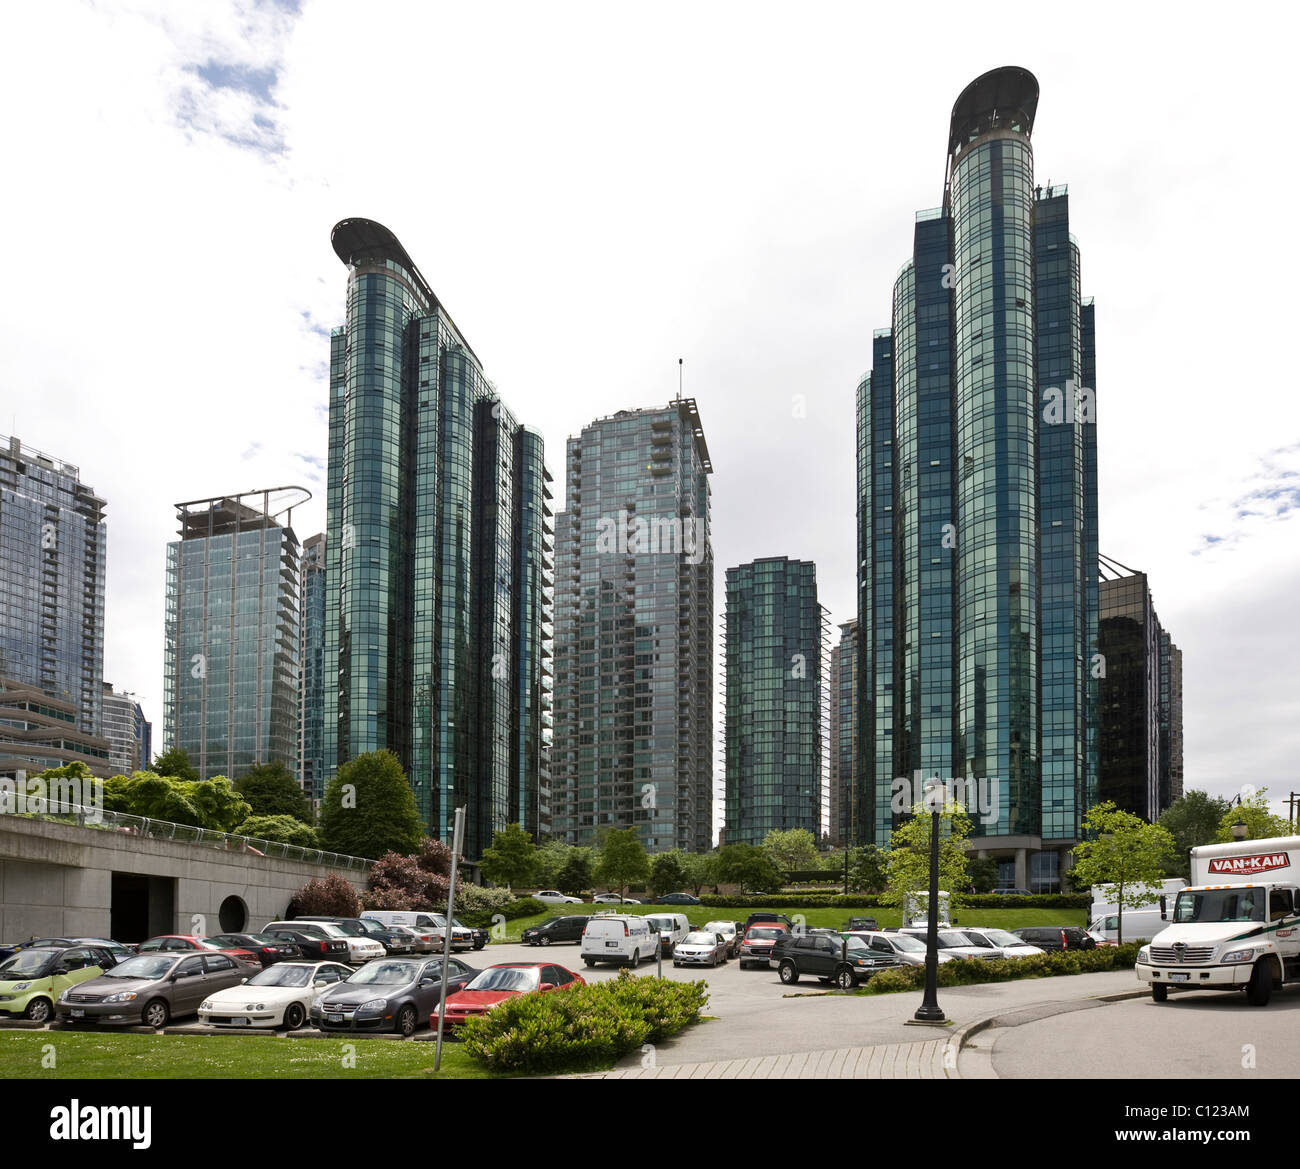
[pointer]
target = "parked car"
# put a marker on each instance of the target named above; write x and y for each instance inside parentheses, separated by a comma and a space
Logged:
(422, 940)
(672, 927)
(768, 919)
(555, 929)
(478, 935)
(1012, 893)
(395, 939)
(756, 947)
(950, 941)
(613, 899)
(389, 994)
(120, 950)
(1001, 942)
(908, 950)
(462, 937)
(32, 980)
(555, 897)
(278, 996)
(1055, 938)
(678, 899)
(313, 942)
(178, 943)
(505, 981)
(362, 947)
(830, 958)
(266, 948)
(701, 948)
(150, 988)
(618, 938)
(360, 927)
(730, 931)
(416, 919)
(859, 924)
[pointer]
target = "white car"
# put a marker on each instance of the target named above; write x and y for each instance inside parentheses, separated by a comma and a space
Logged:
(555, 897)
(728, 930)
(613, 899)
(279, 996)
(904, 947)
(1000, 942)
(952, 942)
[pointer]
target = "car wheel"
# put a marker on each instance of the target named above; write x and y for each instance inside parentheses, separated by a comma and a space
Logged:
(479, 945)
(844, 979)
(39, 1011)
(1260, 987)
(1159, 992)
(155, 1014)
(294, 1016)
(636, 958)
(406, 1020)
(590, 961)
(545, 941)
(789, 973)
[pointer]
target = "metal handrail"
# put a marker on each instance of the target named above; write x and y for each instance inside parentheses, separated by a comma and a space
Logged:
(190, 834)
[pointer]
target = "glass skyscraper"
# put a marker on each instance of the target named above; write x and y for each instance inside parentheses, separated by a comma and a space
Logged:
(977, 511)
(843, 736)
(774, 695)
(634, 632)
(311, 715)
(53, 542)
(128, 732)
(439, 557)
(231, 646)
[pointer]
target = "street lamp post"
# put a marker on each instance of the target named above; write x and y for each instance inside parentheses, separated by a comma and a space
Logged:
(929, 1010)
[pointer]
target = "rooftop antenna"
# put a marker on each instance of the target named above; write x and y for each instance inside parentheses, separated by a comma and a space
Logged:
(679, 377)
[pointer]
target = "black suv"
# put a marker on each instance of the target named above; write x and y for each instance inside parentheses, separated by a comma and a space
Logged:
(1057, 937)
(861, 924)
(365, 927)
(556, 929)
(828, 958)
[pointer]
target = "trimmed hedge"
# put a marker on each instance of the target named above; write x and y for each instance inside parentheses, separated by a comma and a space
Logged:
(968, 971)
(524, 907)
(590, 1025)
(872, 901)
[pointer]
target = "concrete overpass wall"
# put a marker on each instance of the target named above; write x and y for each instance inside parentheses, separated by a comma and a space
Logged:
(56, 879)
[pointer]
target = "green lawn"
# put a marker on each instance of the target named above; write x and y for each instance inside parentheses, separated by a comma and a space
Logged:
(699, 915)
(99, 1055)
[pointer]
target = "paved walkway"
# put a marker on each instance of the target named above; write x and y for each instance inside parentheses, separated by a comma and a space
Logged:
(893, 1061)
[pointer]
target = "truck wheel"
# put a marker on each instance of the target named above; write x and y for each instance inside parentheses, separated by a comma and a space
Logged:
(789, 973)
(1260, 987)
(844, 979)
(1159, 992)
(590, 961)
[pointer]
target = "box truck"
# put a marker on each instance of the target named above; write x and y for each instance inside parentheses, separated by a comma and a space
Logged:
(914, 908)
(1237, 925)
(1140, 923)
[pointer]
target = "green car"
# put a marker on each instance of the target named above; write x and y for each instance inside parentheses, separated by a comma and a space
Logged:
(32, 980)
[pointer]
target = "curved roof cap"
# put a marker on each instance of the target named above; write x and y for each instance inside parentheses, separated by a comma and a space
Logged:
(999, 97)
(362, 239)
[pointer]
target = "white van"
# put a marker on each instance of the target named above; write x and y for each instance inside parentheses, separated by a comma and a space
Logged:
(415, 918)
(1140, 925)
(615, 938)
(672, 927)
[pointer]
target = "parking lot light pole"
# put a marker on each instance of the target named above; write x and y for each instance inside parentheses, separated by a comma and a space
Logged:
(929, 1010)
(457, 838)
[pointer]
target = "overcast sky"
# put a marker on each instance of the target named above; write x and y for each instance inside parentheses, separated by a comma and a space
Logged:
(595, 190)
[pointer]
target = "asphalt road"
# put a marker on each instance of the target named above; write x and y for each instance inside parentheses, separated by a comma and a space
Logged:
(1194, 1035)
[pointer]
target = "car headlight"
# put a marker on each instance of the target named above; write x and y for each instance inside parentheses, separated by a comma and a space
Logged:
(20, 986)
(122, 996)
(1238, 956)
(206, 1006)
(1144, 955)
(254, 1007)
(373, 1005)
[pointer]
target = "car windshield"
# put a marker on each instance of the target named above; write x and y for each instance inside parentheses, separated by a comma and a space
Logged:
(27, 962)
(146, 966)
(906, 943)
(385, 973)
(949, 938)
(518, 978)
(1003, 938)
(1243, 904)
(701, 939)
(662, 923)
(156, 944)
(721, 927)
(765, 933)
(307, 929)
(282, 974)
(856, 944)
(346, 928)
(329, 929)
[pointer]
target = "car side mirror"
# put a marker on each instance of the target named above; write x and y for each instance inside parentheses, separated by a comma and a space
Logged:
(547, 986)
(60, 970)
(173, 976)
(1164, 908)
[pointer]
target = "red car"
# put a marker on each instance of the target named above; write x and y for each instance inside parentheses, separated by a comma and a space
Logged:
(759, 940)
(506, 981)
(173, 943)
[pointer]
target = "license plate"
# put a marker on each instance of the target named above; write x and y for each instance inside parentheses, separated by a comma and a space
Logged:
(78, 1013)
(334, 1018)
(613, 944)
(240, 1022)
(1181, 977)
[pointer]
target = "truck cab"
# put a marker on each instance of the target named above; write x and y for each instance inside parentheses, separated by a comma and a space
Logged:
(1236, 926)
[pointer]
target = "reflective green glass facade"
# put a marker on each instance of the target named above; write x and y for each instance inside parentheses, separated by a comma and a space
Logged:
(312, 694)
(439, 557)
(773, 700)
(981, 523)
(843, 734)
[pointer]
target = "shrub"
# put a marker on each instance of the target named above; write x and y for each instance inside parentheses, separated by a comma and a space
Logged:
(476, 899)
(280, 829)
(589, 1025)
(966, 971)
(333, 896)
(869, 901)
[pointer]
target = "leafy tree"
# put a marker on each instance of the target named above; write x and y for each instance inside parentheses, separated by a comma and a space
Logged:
(282, 829)
(434, 857)
(748, 866)
(622, 860)
(369, 809)
(794, 848)
(176, 763)
(1191, 819)
(983, 873)
(667, 872)
(159, 798)
(219, 806)
(398, 882)
(867, 869)
(1126, 852)
(511, 859)
(1260, 822)
(549, 861)
(333, 897)
(699, 869)
(576, 876)
(908, 862)
(271, 790)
